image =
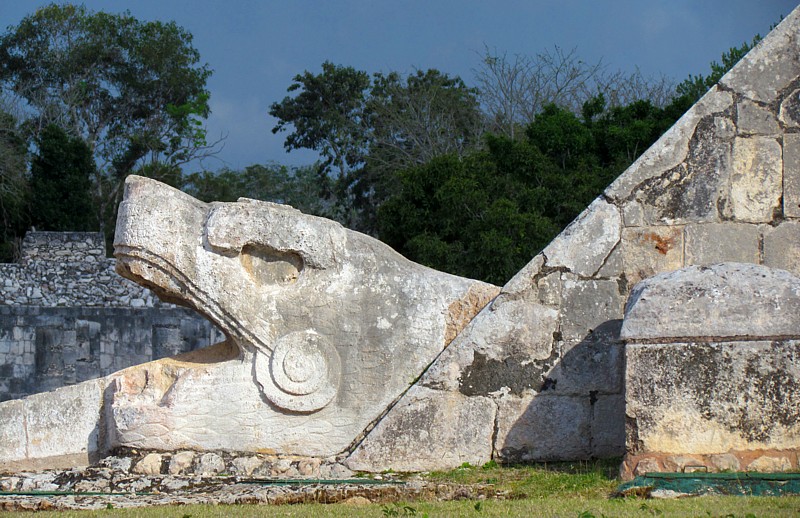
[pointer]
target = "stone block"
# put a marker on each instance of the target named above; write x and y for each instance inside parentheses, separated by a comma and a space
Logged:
(585, 244)
(712, 243)
(670, 150)
(429, 430)
(755, 119)
(770, 464)
(769, 68)
(712, 398)
(244, 466)
(210, 464)
(549, 289)
(595, 364)
(756, 182)
(150, 464)
(66, 421)
(587, 304)
(789, 113)
(543, 427)
(647, 251)
(791, 175)
(782, 246)
(608, 425)
(613, 265)
(726, 300)
(181, 462)
(724, 462)
(507, 347)
(12, 432)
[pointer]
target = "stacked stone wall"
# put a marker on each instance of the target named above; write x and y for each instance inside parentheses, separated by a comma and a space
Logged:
(542, 366)
(66, 316)
(68, 269)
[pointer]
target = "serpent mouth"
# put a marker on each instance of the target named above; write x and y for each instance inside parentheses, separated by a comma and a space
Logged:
(154, 249)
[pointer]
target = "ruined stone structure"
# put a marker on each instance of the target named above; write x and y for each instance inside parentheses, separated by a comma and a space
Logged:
(337, 346)
(712, 373)
(68, 269)
(67, 317)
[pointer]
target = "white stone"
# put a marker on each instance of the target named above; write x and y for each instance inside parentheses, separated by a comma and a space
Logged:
(327, 327)
(585, 244)
(756, 185)
(453, 428)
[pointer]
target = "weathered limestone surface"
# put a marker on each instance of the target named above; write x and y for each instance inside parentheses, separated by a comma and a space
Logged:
(729, 300)
(584, 245)
(709, 190)
(782, 246)
(61, 427)
(791, 175)
(711, 243)
(325, 329)
(712, 368)
(450, 426)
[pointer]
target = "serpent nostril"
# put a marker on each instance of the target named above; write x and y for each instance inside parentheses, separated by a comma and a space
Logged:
(267, 266)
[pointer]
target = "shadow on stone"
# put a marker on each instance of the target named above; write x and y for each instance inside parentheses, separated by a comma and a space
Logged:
(579, 397)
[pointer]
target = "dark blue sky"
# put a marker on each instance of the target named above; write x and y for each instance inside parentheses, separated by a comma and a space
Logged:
(256, 47)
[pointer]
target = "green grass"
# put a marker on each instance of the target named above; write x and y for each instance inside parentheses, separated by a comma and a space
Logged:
(580, 490)
(574, 479)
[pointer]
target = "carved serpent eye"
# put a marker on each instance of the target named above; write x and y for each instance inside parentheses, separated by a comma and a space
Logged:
(267, 266)
(302, 374)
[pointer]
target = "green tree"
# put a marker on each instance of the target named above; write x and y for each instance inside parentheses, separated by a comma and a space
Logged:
(300, 187)
(134, 91)
(368, 129)
(411, 120)
(327, 116)
(60, 182)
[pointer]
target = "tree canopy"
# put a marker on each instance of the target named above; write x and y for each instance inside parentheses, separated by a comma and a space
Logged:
(134, 91)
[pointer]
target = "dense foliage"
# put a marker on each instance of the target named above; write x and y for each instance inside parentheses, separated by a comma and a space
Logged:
(61, 182)
(484, 215)
(133, 91)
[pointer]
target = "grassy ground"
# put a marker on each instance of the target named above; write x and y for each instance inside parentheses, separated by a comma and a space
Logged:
(569, 490)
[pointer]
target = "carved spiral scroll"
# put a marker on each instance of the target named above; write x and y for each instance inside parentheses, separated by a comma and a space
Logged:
(302, 374)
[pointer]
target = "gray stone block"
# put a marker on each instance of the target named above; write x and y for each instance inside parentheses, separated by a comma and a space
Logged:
(756, 182)
(647, 251)
(584, 245)
(712, 243)
(754, 119)
(712, 398)
(453, 429)
(65, 422)
(595, 364)
(782, 246)
(608, 426)
(542, 428)
(722, 300)
(791, 175)
(12, 433)
(587, 304)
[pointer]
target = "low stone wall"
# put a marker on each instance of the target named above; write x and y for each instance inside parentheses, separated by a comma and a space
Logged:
(713, 384)
(68, 269)
(66, 316)
(45, 348)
